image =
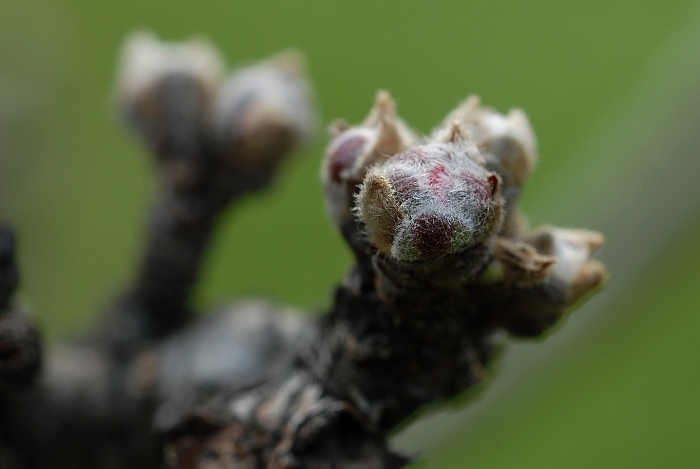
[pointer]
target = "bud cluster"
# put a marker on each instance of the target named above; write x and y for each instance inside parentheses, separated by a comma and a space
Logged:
(176, 97)
(443, 266)
(214, 138)
(418, 199)
(441, 210)
(429, 201)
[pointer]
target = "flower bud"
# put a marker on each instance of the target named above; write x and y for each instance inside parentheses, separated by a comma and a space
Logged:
(508, 146)
(344, 152)
(430, 201)
(355, 149)
(507, 142)
(263, 112)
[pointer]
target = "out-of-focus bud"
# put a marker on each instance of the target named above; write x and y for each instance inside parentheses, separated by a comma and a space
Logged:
(430, 201)
(353, 150)
(263, 112)
(160, 83)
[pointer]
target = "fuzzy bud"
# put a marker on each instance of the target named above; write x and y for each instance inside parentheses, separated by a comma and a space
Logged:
(353, 150)
(263, 112)
(430, 201)
(507, 142)
(508, 146)
(153, 76)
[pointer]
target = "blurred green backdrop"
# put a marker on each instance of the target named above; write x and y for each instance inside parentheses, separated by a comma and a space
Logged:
(612, 88)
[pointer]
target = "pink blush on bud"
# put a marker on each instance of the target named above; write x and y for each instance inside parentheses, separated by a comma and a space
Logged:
(484, 189)
(439, 181)
(438, 177)
(406, 186)
(344, 156)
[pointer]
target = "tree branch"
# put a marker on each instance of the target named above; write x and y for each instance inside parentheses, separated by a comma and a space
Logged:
(444, 267)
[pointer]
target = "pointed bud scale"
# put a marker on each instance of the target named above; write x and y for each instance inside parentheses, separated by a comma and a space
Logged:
(453, 133)
(518, 263)
(384, 108)
(146, 63)
(465, 113)
(430, 201)
(381, 207)
(263, 112)
(354, 149)
(394, 134)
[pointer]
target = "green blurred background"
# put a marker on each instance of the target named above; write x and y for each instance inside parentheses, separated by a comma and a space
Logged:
(612, 88)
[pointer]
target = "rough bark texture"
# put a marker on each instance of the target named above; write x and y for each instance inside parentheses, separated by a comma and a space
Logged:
(445, 268)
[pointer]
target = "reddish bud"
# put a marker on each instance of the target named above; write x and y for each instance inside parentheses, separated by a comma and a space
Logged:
(344, 152)
(353, 150)
(433, 200)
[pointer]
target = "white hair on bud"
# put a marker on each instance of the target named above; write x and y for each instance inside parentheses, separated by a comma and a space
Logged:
(444, 196)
